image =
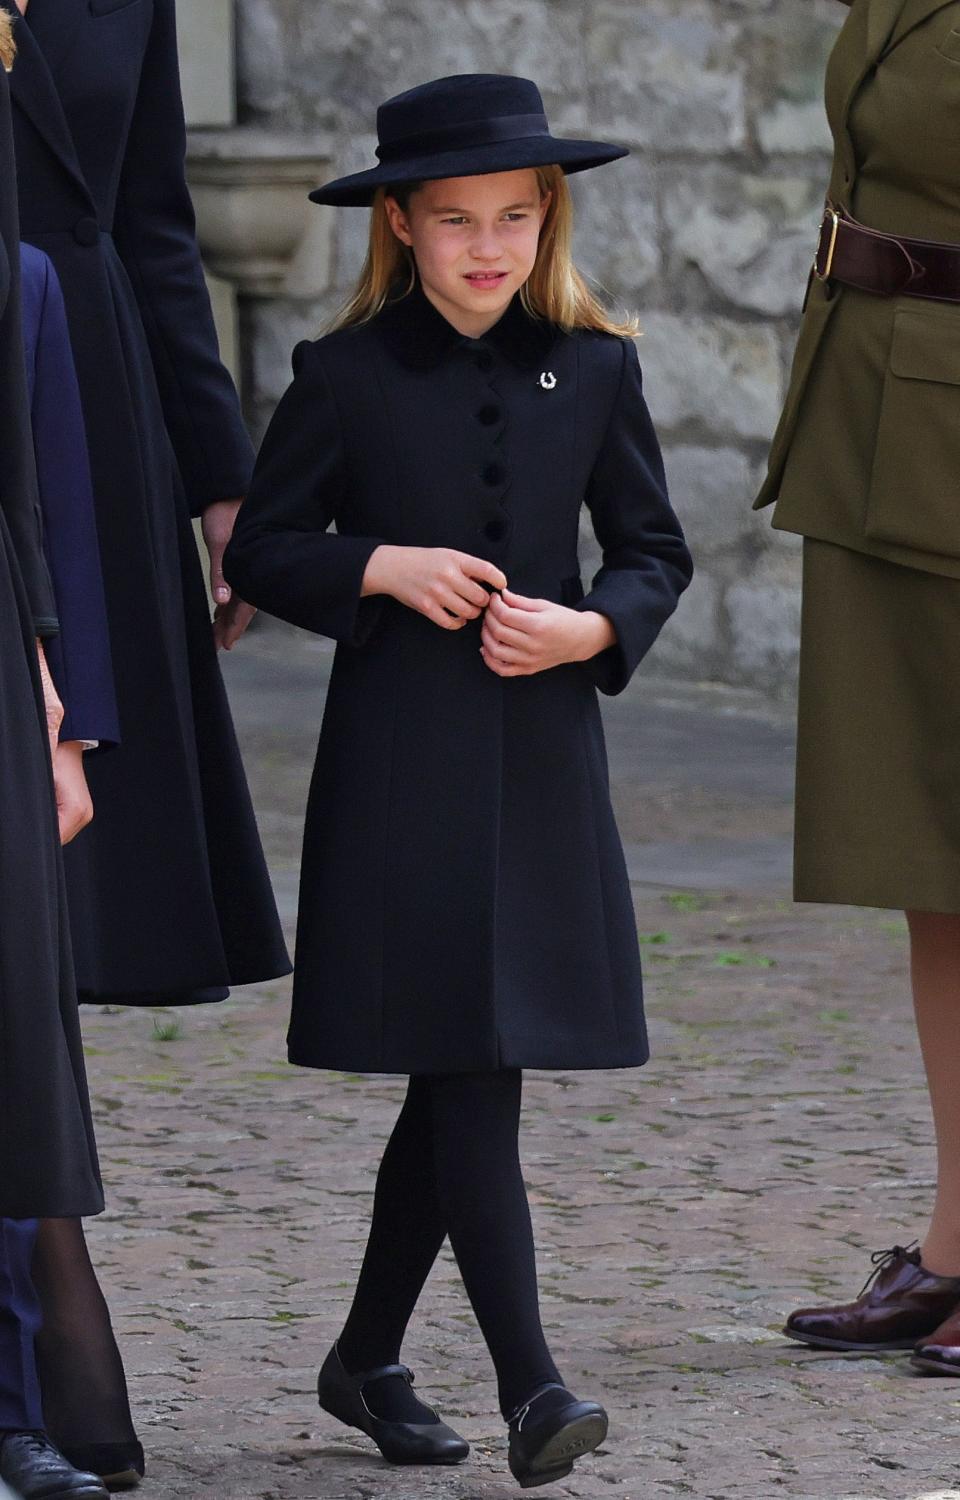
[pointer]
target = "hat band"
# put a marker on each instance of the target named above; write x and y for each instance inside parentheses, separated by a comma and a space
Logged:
(464, 133)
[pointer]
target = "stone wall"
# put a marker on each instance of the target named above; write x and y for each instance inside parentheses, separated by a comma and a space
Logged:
(706, 231)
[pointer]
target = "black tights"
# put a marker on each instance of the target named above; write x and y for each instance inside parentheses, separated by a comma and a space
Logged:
(452, 1167)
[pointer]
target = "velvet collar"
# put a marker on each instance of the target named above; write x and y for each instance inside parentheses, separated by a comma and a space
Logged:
(421, 338)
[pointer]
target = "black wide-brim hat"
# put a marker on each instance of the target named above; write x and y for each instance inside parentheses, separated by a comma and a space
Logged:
(464, 126)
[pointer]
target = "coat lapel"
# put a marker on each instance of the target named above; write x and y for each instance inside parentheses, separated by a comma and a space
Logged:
(882, 17)
(911, 14)
(871, 30)
(883, 24)
(54, 25)
(33, 88)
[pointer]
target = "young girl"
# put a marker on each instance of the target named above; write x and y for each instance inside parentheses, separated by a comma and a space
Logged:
(465, 909)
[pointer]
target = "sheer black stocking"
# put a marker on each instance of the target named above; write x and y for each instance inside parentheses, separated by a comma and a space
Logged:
(82, 1378)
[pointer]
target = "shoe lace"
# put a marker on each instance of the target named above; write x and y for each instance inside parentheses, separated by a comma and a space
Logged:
(881, 1259)
(35, 1443)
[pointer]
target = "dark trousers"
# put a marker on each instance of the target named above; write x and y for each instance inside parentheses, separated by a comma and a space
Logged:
(20, 1404)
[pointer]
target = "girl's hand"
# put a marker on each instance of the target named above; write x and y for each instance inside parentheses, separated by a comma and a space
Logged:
(53, 708)
(523, 636)
(444, 585)
(74, 804)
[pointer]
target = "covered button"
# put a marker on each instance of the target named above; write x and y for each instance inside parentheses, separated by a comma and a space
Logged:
(495, 529)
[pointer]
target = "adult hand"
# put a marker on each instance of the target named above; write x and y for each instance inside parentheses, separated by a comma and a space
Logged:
(74, 804)
(522, 636)
(231, 614)
(444, 585)
(53, 708)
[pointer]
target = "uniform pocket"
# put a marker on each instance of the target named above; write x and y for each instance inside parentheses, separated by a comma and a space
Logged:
(914, 498)
(107, 7)
(950, 46)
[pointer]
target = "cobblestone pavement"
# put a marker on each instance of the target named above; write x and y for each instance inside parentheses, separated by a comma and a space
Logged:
(779, 1136)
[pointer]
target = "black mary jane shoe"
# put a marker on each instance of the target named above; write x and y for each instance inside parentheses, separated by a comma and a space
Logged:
(544, 1448)
(341, 1395)
(36, 1470)
(121, 1466)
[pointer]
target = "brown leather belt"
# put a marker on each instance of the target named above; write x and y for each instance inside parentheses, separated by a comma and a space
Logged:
(884, 264)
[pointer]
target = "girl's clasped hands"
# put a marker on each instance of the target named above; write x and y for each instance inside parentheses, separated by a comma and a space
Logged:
(520, 636)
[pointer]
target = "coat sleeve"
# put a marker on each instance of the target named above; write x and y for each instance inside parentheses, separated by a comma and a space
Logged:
(156, 239)
(19, 499)
(282, 557)
(80, 660)
(646, 562)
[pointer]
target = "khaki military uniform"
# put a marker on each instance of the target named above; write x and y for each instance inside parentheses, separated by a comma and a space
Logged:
(865, 465)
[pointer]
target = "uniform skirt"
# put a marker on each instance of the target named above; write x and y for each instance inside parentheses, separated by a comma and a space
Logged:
(878, 755)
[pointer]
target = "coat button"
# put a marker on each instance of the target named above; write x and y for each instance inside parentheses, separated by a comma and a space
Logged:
(86, 231)
(488, 415)
(494, 530)
(485, 360)
(493, 474)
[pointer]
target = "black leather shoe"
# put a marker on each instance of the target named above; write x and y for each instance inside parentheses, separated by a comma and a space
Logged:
(400, 1442)
(545, 1447)
(121, 1466)
(36, 1470)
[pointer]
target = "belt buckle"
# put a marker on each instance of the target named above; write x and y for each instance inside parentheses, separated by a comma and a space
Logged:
(831, 219)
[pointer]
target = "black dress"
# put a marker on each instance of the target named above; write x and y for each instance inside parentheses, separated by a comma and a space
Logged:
(168, 890)
(464, 902)
(48, 1163)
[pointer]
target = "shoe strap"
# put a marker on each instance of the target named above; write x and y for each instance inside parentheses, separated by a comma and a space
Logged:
(522, 1412)
(383, 1372)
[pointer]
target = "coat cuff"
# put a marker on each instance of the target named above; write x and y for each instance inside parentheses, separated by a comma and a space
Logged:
(610, 671)
(100, 736)
(233, 486)
(310, 580)
(355, 616)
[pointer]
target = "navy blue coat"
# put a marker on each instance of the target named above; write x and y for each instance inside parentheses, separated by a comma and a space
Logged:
(464, 901)
(79, 656)
(169, 895)
(48, 1163)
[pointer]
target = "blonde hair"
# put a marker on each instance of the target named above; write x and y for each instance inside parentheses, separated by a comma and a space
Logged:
(555, 290)
(8, 47)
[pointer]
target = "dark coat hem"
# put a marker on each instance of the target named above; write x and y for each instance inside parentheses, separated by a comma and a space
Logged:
(510, 1057)
(192, 995)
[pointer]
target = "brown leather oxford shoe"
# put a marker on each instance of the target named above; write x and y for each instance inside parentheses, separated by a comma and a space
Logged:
(900, 1304)
(940, 1353)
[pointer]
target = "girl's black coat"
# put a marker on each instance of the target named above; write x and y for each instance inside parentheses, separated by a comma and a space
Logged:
(464, 899)
(169, 897)
(48, 1160)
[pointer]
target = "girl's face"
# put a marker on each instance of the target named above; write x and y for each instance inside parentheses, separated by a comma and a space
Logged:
(475, 242)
